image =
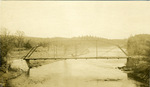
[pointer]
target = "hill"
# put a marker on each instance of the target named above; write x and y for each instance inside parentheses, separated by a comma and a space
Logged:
(84, 40)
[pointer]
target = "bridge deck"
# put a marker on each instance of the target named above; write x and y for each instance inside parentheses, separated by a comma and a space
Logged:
(59, 58)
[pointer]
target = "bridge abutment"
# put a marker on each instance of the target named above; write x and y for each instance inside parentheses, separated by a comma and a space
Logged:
(132, 62)
(29, 67)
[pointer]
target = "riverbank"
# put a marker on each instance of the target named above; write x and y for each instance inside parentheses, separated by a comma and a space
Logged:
(141, 73)
(5, 77)
(139, 77)
(16, 71)
(138, 71)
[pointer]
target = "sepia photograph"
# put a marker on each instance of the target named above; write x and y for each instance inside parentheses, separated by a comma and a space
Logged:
(81, 43)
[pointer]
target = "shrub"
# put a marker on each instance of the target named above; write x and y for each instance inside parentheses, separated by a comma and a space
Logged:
(6, 45)
(28, 45)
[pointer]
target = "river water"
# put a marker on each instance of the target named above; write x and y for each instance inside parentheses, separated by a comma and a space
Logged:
(78, 73)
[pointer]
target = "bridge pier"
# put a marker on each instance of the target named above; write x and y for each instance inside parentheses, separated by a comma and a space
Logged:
(29, 67)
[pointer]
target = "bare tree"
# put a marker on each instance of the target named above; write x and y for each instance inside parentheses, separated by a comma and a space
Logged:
(19, 38)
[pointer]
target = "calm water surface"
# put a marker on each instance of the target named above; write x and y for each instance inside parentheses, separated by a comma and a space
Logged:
(78, 73)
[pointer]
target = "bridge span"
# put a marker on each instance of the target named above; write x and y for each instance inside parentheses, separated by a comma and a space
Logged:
(27, 57)
(62, 58)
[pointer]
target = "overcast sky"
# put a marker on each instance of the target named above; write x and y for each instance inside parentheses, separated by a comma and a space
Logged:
(114, 20)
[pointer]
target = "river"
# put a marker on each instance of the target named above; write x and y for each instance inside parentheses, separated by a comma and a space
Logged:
(78, 73)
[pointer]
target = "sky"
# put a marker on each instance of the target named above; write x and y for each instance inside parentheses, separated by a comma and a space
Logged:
(107, 19)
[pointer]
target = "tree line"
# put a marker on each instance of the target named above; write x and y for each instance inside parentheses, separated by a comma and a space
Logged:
(139, 45)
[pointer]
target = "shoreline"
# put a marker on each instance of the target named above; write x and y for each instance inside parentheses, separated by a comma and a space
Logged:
(138, 76)
(13, 73)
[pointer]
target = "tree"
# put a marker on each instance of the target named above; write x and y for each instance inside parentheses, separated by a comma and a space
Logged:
(139, 45)
(19, 38)
(6, 45)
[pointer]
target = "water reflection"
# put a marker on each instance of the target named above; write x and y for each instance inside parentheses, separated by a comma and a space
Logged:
(81, 73)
